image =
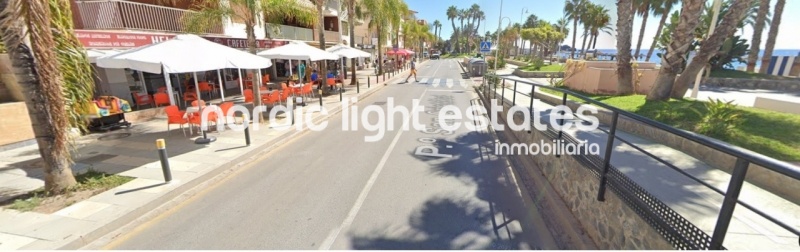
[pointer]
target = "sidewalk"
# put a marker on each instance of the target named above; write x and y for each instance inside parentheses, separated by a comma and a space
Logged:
(131, 152)
(692, 200)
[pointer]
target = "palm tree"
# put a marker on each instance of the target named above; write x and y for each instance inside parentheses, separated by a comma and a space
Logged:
(773, 34)
(710, 47)
(452, 14)
(673, 59)
(643, 9)
(624, 36)
(562, 25)
(351, 6)
(49, 62)
(662, 8)
(382, 15)
(755, 43)
(436, 28)
(588, 18)
(599, 21)
(463, 14)
(210, 13)
(574, 10)
(320, 4)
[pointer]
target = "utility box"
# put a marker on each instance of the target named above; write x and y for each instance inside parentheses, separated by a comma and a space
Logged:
(477, 67)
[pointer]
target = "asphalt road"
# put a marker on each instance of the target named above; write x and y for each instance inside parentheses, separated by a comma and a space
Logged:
(332, 190)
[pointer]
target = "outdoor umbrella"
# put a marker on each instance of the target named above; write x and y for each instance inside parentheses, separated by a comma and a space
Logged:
(345, 51)
(184, 53)
(297, 50)
(348, 52)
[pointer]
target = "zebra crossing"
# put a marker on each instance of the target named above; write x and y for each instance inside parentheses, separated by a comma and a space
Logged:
(438, 82)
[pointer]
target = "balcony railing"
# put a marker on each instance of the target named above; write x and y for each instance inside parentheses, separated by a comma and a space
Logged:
(290, 32)
(118, 14)
(333, 36)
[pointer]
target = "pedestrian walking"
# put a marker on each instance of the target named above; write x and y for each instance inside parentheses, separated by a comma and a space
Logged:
(413, 72)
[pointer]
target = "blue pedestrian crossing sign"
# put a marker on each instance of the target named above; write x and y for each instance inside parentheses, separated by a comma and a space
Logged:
(486, 46)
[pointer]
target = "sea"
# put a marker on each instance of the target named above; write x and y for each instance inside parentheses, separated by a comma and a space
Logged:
(736, 65)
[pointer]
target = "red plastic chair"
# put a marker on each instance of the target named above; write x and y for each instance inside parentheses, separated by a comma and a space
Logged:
(175, 116)
(142, 99)
(225, 107)
(248, 95)
(272, 98)
(331, 83)
(161, 99)
(196, 118)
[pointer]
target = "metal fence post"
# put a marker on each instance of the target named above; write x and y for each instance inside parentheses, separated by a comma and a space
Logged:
(503, 92)
(729, 203)
(561, 123)
(601, 193)
(514, 100)
(533, 91)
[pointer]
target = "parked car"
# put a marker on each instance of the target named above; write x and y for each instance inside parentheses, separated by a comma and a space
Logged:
(435, 56)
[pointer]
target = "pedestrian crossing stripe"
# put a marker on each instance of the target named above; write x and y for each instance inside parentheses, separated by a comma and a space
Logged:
(449, 83)
(423, 80)
(436, 82)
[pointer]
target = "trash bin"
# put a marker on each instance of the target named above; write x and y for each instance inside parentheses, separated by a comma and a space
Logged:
(477, 67)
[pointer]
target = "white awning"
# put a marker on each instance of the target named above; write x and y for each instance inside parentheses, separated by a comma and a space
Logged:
(348, 52)
(182, 54)
(296, 50)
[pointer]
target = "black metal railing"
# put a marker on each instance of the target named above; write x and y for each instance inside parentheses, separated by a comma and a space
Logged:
(679, 231)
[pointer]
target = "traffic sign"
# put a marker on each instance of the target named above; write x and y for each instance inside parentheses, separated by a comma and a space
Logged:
(486, 46)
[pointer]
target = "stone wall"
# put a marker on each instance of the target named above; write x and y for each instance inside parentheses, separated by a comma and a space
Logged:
(15, 126)
(779, 85)
(530, 74)
(783, 186)
(610, 224)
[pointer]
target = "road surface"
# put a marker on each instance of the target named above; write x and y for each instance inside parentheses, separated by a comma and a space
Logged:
(332, 190)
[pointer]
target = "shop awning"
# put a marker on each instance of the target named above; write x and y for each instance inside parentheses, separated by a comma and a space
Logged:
(182, 54)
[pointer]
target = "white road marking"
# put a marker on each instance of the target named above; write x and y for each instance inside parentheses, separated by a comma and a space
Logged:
(326, 245)
(423, 81)
(436, 81)
(449, 83)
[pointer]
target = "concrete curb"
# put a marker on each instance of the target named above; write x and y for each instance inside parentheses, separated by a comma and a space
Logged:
(101, 236)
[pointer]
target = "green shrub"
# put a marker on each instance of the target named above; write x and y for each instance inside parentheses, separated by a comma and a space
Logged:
(719, 120)
(537, 63)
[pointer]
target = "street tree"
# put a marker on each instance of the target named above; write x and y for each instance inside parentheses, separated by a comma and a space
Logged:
(52, 68)
(624, 36)
(773, 35)
(680, 40)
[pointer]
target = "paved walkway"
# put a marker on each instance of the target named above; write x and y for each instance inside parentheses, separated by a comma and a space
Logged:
(131, 152)
(692, 200)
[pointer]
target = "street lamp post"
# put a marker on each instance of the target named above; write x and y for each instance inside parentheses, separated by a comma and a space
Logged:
(521, 15)
(499, 23)
(717, 4)
(497, 51)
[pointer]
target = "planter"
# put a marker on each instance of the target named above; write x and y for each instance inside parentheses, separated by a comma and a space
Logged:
(516, 63)
(529, 74)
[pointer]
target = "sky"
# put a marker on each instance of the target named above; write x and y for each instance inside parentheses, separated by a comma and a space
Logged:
(552, 10)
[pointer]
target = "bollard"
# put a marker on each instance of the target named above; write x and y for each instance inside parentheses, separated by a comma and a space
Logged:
(247, 134)
(341, 87)
(320, 98)
(368, 81)
(358, 86)
(161, 145)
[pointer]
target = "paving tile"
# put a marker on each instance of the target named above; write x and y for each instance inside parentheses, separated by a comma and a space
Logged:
(156, 174)
(43, 226)
(82, 209)
(14, 242)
